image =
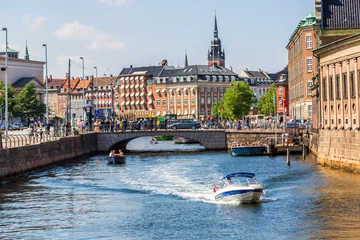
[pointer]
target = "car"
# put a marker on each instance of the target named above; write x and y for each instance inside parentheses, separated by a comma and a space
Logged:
(17, 126)
(185, 124)
(10, 128)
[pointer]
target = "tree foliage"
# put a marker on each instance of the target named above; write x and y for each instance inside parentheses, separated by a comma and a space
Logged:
(11, 99)
(28, 103)
(238, 99)
(266, 102)
(218, 110)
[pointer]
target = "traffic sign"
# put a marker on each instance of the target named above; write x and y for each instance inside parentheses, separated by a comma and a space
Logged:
(97, 113)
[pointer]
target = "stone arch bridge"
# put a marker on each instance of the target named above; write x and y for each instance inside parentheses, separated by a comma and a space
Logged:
(210, 139)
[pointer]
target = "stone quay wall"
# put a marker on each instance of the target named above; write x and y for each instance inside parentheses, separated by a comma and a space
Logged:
(14, 161)
(339, 148)
(249, 136)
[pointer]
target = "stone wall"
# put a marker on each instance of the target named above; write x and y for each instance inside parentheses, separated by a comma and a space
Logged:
(339, 148)
(18, 160)
(247, 136)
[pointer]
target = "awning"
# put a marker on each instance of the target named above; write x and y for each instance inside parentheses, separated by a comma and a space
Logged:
(122, 87)
(127, 86)
(128, 94)
(137, 94)
(142, 94)
(132, 78)
(137, 102)
(132, 86)
(142, 85)
(142, 77)
(132, 102)
(157, 90)
(137, 86)
(132, 94)
(127, 102)
(142, 102)
(163, 91)
(127, 78)
(185, 89)
(122, 78)
(137, 78)
(149, 94)
(123, 95)
(123, 103)
(150, 102)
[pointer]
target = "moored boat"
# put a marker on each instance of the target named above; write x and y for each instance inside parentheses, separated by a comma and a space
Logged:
(247, 150)
(164, 138)
(238, 187)
(182, 140)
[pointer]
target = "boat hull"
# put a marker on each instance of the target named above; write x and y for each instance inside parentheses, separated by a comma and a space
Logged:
(116, 159)
(242, 195)
(246, 151)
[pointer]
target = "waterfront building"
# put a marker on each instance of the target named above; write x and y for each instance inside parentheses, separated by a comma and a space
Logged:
(339, 83)
(302, 67)
(282, 97)
(54, 85)
(259, 81)
(22, 71)
(103, 95)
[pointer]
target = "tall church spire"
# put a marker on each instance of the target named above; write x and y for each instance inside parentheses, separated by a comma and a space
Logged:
(186, 60)
(27, 57)
(216, 57)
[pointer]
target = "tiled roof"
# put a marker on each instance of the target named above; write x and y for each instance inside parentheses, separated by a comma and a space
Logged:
(198, 70)
(55, 82)
(154, 71)
(23, 81)
(255, 74)
(104, 81)
(340, 14)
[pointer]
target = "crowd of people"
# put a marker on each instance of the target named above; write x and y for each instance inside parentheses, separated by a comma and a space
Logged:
(247, 144)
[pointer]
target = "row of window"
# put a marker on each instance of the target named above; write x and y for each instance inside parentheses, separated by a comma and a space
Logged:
(346, 79)
(297, 46)
(178, 102)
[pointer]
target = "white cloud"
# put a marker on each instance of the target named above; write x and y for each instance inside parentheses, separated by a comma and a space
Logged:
(97, 38)
(33, 23)
(114, 2)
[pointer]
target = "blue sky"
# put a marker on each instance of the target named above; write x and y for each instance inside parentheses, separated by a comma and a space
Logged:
(112, 34)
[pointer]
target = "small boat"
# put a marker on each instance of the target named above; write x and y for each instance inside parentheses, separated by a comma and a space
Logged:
(247, 150)
(116, 159)
(240, 187)
(153, 141)
(182, 140)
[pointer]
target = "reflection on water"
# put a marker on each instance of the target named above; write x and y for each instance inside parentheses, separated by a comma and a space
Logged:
(169, 196)
(143, 144)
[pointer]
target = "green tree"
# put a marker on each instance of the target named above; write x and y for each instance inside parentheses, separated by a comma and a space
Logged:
(11, 99)
(266, 102)
(218, 110)
(28, 103)
(238, 99)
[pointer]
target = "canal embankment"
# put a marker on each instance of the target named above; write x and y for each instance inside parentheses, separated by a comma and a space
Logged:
(14, 161)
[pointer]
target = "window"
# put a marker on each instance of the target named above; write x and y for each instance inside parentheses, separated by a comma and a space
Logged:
(310, 111)
(202, 100)
(331, 94)
(158, 103)
(308, 41)
(324, 88)
(345, 85)
(215, 99)
(185, 101)
(280, 90)
(352, 82)
(337, 86)
(281, 106)
(171, 101)
(208, 99)
(309, 84)
(309, 64)
(164, 102)
(178, 101)
(192, 101)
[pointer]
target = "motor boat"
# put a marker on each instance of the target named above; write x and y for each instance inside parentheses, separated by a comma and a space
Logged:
(116, 159)
(238, 187)
(153, 141)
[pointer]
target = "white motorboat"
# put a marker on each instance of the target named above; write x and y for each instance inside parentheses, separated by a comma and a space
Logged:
(238, 187)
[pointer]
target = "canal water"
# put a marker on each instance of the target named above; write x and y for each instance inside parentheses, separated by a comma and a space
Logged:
(169, 196)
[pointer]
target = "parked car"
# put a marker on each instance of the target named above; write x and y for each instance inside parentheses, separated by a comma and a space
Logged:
(17, 126)
(10, 128)
(185, 124)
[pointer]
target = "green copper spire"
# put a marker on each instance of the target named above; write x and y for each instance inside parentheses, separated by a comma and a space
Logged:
(27, 52)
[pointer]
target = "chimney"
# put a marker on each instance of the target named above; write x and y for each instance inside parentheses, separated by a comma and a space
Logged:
(86, 77)
(130, 66)
(246, 69)
(164, 62)
(72, 78)
(111, 75)
(66, 76)
(260, 70)
(50, 77)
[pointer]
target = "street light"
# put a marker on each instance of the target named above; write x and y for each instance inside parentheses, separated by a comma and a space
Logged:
(83, 78)
(6, 83)
(96, 88)
(46, 85)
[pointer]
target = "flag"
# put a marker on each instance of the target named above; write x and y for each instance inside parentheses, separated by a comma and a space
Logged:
(284, 103)
(222, 110)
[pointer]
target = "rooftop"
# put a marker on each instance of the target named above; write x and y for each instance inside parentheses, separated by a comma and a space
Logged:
(340, 14)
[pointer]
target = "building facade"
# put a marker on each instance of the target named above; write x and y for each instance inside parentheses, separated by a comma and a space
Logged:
(302, 67)
(259, 81)
(339, 83)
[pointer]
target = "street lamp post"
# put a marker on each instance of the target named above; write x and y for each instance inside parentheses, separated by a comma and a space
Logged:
(46, 86)
(6, 84)
(83, 78)
(96, 89)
